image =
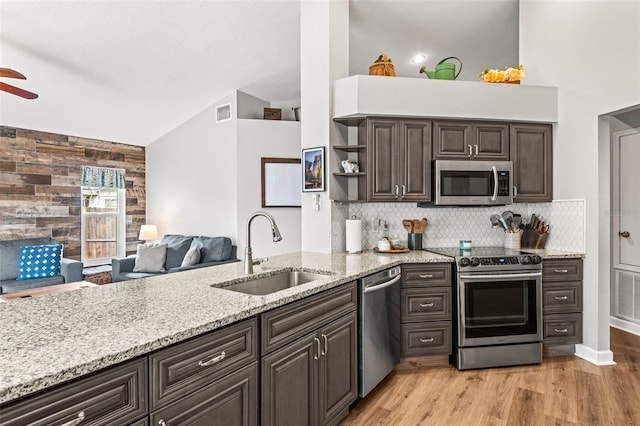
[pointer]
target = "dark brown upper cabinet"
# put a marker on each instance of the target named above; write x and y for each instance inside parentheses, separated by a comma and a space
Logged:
(399, 160)
(470, 140)
(531, 153)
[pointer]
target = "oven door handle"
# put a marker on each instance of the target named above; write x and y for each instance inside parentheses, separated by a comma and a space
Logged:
(499, 276)
(383, 285)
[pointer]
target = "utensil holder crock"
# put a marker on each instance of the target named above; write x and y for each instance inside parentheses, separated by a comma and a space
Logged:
(414, 241)
(512, 240)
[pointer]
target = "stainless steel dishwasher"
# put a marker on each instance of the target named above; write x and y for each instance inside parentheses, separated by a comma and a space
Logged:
(378, 327)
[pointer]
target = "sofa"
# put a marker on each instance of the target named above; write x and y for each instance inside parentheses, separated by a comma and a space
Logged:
(70, 270)
(208, 251)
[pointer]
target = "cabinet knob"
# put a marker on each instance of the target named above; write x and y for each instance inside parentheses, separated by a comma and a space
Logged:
(624, 234)
(161, 422)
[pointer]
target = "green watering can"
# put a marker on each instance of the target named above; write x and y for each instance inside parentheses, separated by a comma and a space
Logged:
(444, 70)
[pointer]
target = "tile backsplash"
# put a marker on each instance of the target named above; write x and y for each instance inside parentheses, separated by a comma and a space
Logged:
(448, 225)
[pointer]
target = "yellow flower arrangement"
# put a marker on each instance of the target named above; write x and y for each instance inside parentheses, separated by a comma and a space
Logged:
(505, 75)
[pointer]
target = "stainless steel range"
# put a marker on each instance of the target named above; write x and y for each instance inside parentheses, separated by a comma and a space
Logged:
(499, 307)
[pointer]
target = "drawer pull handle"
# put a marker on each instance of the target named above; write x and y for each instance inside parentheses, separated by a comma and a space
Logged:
(561, 330)
(426, 275)
(560, 271)
(75, 421)
(161, 422)
(427, 340)
(212, 360)
(426, 305)
(560, 297)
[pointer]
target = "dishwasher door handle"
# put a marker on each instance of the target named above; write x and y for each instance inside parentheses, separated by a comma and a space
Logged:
(385, 284)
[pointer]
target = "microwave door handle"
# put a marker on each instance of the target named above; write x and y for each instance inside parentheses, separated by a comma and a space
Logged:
(495, 183)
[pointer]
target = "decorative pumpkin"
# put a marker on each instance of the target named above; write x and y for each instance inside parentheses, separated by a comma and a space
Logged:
(382, 66)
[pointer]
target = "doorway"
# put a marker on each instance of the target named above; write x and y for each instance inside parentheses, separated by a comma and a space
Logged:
(625, 242)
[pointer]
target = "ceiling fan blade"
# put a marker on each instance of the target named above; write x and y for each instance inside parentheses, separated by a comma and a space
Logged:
(8, 72)
(17, 91)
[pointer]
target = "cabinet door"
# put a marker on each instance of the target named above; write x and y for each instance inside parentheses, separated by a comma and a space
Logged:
(382, 155)
(452, 140)
(230, 401)
(415, 160)
(338, 367)
(491, 141)
(290, 383)
(530, 151)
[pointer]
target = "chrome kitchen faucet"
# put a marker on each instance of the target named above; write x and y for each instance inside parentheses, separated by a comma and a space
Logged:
(248, 255)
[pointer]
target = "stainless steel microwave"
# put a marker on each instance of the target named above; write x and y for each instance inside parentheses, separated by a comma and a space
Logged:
(472, 183)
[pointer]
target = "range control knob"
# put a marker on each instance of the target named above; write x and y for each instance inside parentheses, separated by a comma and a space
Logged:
(537, 260)
(475, 261)
(464, 261)
(526, 260)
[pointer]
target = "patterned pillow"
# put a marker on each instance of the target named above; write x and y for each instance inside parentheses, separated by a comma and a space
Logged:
(39, 261)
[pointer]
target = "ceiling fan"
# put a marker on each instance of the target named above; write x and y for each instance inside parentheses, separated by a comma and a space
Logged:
(8, 72)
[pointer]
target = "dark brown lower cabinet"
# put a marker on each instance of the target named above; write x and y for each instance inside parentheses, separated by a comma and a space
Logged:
(313, 380)
(230, 401)
(114, 396)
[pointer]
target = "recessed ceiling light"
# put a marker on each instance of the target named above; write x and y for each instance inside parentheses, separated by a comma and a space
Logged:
(418, 59)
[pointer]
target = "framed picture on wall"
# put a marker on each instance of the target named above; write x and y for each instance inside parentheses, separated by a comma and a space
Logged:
(281, 182)
(313, 169)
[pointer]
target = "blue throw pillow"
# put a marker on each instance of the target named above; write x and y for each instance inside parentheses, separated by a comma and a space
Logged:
(39, 261)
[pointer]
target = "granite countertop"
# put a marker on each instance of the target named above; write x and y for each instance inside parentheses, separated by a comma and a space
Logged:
(50, 339)
(555, 254)
(54, 338)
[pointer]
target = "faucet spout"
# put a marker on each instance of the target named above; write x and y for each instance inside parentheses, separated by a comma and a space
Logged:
(248, 254)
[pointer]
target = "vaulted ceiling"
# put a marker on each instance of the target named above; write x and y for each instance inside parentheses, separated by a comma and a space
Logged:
(130, 71)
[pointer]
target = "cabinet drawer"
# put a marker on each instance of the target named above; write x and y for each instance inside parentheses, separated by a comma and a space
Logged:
(433, 338)
(562, 270)
(425, 304)
(283, 325)
(562, 329)
(562, 297)
(177, 370)
(115, 396)
(423, 275)
(232, 400)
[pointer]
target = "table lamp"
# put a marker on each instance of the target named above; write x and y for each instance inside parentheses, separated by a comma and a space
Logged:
(148, 233)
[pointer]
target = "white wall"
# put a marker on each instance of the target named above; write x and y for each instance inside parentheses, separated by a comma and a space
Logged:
(256, 139)
(591, 51)
(324, 57)
(191, 177)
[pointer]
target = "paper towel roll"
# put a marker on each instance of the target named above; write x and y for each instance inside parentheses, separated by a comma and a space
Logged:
(354, 235)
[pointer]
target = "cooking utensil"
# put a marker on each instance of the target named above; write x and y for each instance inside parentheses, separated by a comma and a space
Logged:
(517, 221)
(408, 225)
(495, 220)
(422, 225)
(503, 223)
(508, 219)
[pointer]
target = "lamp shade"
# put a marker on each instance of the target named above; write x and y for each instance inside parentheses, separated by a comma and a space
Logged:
(148, 232)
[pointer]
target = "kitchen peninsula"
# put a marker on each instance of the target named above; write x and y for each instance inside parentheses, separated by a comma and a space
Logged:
(56, 338)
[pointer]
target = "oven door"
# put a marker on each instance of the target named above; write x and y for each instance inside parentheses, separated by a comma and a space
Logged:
(499, 308)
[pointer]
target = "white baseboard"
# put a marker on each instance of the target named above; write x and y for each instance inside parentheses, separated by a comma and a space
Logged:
(624, 325)
(595, 357)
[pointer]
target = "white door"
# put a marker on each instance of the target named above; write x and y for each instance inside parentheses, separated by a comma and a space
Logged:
(626, 223)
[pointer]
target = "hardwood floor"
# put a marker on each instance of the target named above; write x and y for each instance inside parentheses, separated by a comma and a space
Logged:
(564, 390)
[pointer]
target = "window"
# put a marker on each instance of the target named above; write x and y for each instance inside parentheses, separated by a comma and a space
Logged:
(103, 216)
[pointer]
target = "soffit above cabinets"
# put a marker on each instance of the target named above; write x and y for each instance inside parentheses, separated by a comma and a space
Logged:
(363, 95)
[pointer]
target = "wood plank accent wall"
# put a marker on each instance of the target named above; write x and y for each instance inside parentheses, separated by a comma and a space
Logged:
(40, 184)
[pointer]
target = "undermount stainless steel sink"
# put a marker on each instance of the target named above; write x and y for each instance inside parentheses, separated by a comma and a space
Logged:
(271, 284)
